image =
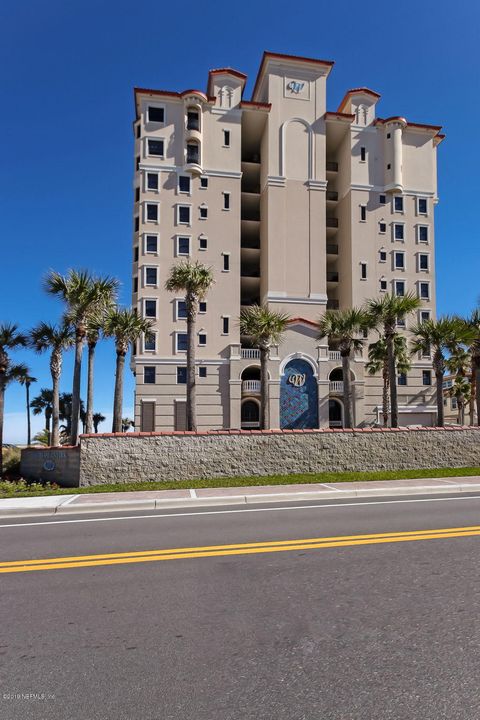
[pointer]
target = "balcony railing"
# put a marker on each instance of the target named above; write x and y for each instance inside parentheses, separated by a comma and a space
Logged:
(332, 249)
(332, 195)
(332, 277)
(333, 304)
(334, 355)
(332, 166)
(252, 387)
(250, 353)
(336, 386)
(332, 222)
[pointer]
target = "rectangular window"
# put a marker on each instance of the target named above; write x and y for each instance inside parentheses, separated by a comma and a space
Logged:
(427, 351)
(402, 378)
(183, 214)
(454, 403)
(183, 246)
(202, 243)
(383, 285)
(422, 207)
(151, 244)
(152, 181)
(382, 199)
(204, 183)
(425, 291)
(136, 224)
(423, 233)
(182, 342)
(193, 120)
(382, 228)
(202, 371)
(202, 307)
(226, 201)
(184, 183)
(181, 375)
(363, 213)
(137, 163)
(193, 153)
(203, 213)
(399, 288)
(399, 263)
(423, 262)
(156, 114)
(426, 377)
(137, 194)
(202, 339)
(138, 131)
(363, 154)
(363, 270)
(382, 256)
(155, 148)
(225, 325)
(226, 262)
(149, 375)
(152, 212)
(389, 166)
(401, 321)
(181, 310)
(149, 343)
(424, 316)
(226, 138)
(135, 253)
(135, 284)
(151, 276)
(398, 203)
(399, 231)
(150, 308)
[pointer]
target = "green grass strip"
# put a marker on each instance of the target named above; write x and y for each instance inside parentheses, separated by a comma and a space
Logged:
(22, 490)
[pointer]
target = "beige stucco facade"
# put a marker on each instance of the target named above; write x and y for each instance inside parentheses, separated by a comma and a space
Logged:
(291, 205)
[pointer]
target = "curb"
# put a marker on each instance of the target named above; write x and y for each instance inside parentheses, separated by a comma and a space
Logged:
(158, 504)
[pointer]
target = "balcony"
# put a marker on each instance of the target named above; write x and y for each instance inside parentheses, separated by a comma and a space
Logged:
(251, 387)
(332, 166)
(334, 355)
(332, 222)
(250, 353)
(333, 304)
(336, 386)
(332, 277)
(332, 196)
(332, 249)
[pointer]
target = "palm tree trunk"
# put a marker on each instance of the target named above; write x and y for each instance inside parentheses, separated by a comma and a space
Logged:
(48, 417)
(29, 423)
(55, 437)
(90, 368)
(118, 394)
(439, 393)
(461, 411)
(77, 375)
(264, 389)
(191, 384)
(392, 377)
(347, 391)
(385, 394)
(477, 390)
(2, 406)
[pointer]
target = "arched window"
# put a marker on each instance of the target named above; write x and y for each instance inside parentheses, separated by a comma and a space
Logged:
(250, 414)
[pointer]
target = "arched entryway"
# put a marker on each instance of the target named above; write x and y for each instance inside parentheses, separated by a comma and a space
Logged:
(250, 415)
(335, 413)
(298, 396)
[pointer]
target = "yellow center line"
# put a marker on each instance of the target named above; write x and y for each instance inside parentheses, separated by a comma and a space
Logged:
(234, 549)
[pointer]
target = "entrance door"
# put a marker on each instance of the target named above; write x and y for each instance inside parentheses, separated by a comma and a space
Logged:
(298, 396)
(250, 414)
(147, 417)
(335, 414)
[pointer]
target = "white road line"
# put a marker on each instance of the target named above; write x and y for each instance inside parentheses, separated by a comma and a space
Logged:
(231, 512)
(67, 502)
(193, 494)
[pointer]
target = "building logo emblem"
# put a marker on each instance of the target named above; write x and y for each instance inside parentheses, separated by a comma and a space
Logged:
(49, 465)
(297, 379)
(295, 87)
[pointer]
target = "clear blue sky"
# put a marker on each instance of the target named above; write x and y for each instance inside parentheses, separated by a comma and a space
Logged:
(68, 69)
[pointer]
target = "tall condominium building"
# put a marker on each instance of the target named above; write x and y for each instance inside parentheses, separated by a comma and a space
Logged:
(291, 205)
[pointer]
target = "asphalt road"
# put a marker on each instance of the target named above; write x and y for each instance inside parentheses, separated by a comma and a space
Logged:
(382, 630)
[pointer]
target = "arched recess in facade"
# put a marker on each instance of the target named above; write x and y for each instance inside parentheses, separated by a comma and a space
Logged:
(306, 173)
(298, 394)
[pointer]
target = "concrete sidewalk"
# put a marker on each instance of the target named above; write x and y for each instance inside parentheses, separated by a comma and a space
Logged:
(164, 499)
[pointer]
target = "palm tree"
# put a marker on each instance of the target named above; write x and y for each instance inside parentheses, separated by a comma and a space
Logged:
(342, 329)
(265, 328)
(56, 339)
(125, 326)
(460, 390)
(95, 326)
(378, 361)
(97, 418)
(473, 322)
(436, 337)
(10, 339)
(85, 296)
(42, 437)
(194, 280)
(126, 424)
(385, 312)
(43, 403)
(65, 403)
(26, 380)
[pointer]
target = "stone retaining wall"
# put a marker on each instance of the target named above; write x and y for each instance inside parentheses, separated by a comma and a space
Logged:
(133, 457)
